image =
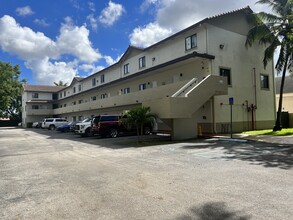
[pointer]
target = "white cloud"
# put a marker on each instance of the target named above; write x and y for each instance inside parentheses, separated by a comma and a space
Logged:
(41, 22)
(46, 72)
(96, 69)
(110, 61)
(111, 13)
(24, 42)
(146, 4)
(75, 41)
(93, 22)
(92, 6)
(148, 35)
(24, 11)
(42, 55)
(174, 15)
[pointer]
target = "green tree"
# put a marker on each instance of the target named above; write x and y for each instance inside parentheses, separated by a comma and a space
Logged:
(274, 30)
(139, 117)
(60, 83)
(10, 91)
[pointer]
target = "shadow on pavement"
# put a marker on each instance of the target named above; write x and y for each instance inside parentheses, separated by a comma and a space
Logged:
(213, 211)
(257, 153)
(123, 141)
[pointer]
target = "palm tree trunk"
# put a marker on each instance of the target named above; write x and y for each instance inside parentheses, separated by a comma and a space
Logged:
(278, 126)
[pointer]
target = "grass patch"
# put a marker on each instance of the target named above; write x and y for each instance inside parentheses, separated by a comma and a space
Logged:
(283, 132)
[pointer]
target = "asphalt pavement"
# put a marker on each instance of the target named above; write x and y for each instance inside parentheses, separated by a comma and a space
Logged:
(50, 175)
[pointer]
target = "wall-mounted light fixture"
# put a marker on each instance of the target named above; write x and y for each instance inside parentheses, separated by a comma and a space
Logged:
(221, 46)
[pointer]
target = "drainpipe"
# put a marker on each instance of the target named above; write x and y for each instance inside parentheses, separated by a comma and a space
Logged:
(254, 107)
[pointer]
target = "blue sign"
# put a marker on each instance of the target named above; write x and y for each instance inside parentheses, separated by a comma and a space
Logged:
(231, 101)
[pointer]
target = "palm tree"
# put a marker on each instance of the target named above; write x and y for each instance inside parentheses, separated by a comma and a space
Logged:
(275, 31)
(139, 117)
(60, 83)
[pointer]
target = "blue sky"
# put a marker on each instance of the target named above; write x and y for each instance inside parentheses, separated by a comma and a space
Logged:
(56, 40)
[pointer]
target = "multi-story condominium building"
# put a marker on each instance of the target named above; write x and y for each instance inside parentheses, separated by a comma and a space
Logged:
(187, 79)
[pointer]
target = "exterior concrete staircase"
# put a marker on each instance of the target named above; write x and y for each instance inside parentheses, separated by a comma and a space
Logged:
(189, 98)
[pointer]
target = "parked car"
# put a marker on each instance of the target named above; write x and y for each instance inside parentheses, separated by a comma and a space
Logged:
(84, 128)
(53, 123)
(67, 127)
(37, 124)
(110, 125)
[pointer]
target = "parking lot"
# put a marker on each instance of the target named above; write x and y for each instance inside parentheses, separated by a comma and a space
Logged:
(50, 175)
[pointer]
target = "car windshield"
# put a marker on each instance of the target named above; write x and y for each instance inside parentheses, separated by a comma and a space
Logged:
(86, 120)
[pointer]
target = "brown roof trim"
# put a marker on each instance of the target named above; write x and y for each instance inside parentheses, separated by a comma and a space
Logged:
(177, 60)
(41, 88)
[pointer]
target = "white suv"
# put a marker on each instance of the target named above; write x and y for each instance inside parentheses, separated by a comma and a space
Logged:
(53, 123)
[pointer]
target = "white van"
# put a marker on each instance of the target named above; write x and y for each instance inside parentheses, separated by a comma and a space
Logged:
(53, 123)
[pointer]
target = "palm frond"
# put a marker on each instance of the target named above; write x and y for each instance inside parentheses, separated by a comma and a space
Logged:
(256, 33)
(270, 51)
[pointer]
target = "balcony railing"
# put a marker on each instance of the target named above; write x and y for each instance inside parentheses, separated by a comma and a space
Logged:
(40, 112)
(125, 99)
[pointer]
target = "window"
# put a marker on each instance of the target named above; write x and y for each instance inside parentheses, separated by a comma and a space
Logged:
(35, 107)
(35, 95)
(104, 96)
(80, 101)
(126, 90)
(60, 106)
(94, 98)
(79, 88)
(190, 42)
(264, 81)
(74, 103)
(94, 82)
(226, 73)
(60, 95)
(64, 105)
(102, 78)
(126, 68)
(141, 62)
(74, 90)
(64, 93)
(142, 86)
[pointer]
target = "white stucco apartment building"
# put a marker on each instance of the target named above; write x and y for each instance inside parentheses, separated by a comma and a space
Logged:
(186, 79)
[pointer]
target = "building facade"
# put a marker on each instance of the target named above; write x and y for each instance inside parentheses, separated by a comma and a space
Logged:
(187, 79)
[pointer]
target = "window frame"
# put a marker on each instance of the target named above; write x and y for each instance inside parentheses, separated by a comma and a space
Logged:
(229, 77)
(35, 95)
(142, 86)
(262, 85)
(126, 68)
(94, 82)
(193, 42)
(102, 78)
(126, 90)
(141, 62)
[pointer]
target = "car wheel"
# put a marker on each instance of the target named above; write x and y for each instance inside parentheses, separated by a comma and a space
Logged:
(52, 127)
(147, 131)
(88, 132)
(113, 133)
